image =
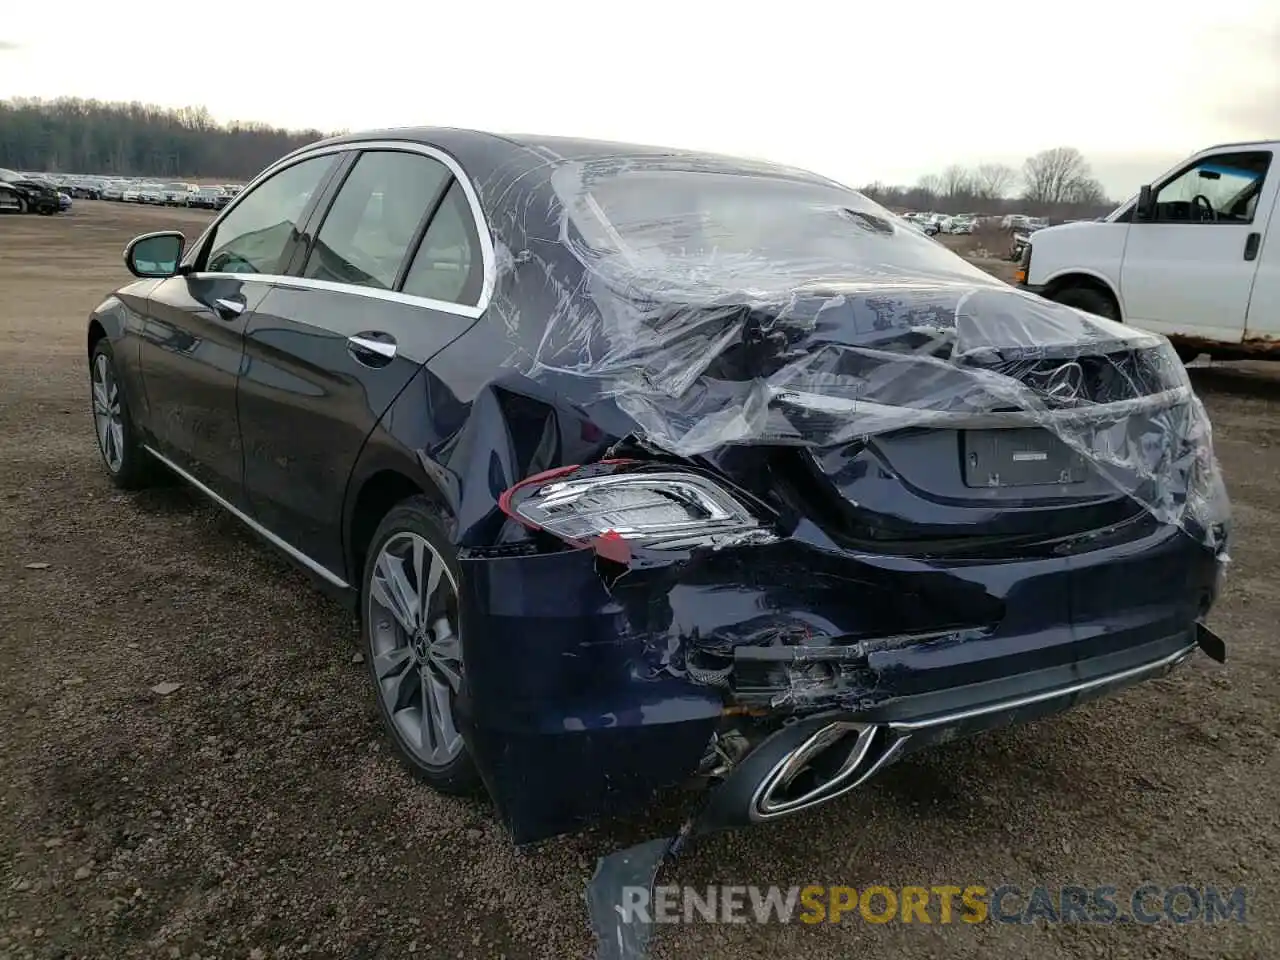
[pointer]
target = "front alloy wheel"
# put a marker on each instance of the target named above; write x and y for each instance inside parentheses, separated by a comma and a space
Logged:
(106, 413)
(413, 646)
(129, 465)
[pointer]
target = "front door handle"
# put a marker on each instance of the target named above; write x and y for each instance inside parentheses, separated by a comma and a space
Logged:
(372, 349)
(1251, 244)
(228, 309)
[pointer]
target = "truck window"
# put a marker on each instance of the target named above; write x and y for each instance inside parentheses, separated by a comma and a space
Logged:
(1222, 188)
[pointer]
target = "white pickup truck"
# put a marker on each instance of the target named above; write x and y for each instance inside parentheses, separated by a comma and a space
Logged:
(1189, 257)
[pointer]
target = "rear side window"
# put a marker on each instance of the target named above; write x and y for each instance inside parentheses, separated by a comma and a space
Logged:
(375, 218)
(255, 236)
(448, 264)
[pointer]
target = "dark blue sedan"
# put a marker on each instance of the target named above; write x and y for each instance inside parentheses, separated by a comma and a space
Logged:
(643, 465)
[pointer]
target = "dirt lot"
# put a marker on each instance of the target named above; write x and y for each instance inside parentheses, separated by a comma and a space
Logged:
(255, 812)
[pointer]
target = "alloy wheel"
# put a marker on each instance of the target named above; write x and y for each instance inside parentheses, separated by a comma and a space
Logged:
(417, 655)
(106, 413)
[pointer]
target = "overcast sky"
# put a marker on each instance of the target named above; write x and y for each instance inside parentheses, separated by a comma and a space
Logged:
(888, 92)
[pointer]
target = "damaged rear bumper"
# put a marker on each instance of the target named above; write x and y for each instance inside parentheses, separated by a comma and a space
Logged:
(864, 744)
(585, 693)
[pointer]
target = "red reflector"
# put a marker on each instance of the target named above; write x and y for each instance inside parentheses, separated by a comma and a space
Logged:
(612, 546)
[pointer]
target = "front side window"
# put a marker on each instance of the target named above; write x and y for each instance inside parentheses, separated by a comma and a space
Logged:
(448, 265)
(255, 236)
(1223, 188)
(375, 217)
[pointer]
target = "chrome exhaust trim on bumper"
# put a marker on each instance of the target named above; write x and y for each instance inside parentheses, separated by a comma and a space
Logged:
(769, 800)
(1097, 685)
(838, 752)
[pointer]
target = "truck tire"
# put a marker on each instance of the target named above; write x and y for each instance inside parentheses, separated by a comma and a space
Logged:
(1089, 300)
(1185, 353)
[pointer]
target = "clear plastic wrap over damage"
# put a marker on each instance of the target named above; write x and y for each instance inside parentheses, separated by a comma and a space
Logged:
(779, 308)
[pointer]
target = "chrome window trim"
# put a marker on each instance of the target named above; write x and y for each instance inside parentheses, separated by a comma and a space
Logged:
(313, 565)
(487, 255)
(352, 289)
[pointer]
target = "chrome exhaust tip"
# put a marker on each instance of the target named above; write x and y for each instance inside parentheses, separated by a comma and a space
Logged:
(833, 760)
(805, 763)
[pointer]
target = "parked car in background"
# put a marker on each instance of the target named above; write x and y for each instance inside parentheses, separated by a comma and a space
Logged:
(153, 193)
(927, 223)
(209, 197)
(64, 200)
(85, 188)
(1018, 245)
(23, 193)
(499, 413)
(178, 194)
(914, 225)
(114, 189)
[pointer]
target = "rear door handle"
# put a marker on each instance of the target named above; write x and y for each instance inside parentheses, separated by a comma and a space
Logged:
(373, 350)
(1251, 244)
(228, 309)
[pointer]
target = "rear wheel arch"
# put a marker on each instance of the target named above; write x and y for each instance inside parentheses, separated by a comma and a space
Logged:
(377, 493)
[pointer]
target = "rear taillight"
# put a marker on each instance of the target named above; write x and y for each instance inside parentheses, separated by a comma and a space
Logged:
(659, 509)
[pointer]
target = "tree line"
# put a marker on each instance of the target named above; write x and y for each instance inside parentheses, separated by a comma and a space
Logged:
(136, 139)
(1054, 183)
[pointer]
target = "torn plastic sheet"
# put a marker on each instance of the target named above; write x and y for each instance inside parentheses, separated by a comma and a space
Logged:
(723, 302)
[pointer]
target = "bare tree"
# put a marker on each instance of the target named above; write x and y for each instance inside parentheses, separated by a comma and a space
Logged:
(1054, 176)
(993, 181)
(1087, 192)
(930, 184)
(955, 182)
(136, 138)
(1059, 184)
(883, 193)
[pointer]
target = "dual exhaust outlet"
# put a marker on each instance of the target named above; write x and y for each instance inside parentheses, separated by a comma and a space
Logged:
(800, 766)
(838, 757)
(821, 757)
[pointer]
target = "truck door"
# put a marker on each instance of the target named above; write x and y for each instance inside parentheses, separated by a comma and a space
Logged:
(1264, 304)
(1190, 269)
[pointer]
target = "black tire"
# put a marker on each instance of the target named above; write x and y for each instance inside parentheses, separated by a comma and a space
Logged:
(46, 211)
(414, 517)
(23, 206)
(1089, 300)
(133, 468)
(1187, 354)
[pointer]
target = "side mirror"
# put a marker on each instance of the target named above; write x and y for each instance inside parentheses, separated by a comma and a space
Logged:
(1146, 208)
(155, 254)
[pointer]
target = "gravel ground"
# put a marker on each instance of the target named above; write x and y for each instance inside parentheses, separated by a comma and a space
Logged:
(254, 811)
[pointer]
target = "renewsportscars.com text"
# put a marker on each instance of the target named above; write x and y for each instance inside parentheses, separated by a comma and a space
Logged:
(939, 904)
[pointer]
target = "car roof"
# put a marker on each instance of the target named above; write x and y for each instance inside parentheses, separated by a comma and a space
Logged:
(512, 173)
(481, 153)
